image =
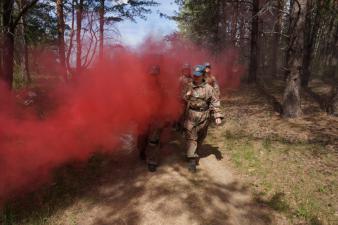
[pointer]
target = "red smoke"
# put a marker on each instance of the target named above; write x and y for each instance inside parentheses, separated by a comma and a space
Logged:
(90, 114)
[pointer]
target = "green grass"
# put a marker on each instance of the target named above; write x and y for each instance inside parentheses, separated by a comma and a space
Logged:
(289, 176)
(278, 202)
(267, 144)
(244, 157)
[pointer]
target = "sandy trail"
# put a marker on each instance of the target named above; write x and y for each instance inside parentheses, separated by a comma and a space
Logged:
(130, 195)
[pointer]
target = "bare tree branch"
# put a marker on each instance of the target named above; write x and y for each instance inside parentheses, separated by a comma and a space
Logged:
(23, 11)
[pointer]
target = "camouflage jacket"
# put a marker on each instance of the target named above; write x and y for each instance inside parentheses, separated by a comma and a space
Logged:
(184, 82)
(201, 104)
(211, 80)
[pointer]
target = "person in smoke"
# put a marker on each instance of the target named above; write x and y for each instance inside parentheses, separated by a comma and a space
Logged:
(185, 77)
(201, 99)
(210, 78)
(148, 141)
(185, 80)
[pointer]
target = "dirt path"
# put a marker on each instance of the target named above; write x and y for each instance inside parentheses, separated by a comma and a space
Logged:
(118, 189)
(130, 195)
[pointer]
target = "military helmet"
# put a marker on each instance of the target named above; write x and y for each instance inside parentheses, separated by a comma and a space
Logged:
(199, 70)
(155, 70)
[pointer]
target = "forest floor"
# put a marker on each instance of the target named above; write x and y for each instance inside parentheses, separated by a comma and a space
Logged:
(255, 169)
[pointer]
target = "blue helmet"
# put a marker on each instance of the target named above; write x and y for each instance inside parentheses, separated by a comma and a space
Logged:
(199, 70)
(207, 65)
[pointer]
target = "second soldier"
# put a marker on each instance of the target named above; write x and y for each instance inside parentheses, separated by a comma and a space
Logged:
(201, 102)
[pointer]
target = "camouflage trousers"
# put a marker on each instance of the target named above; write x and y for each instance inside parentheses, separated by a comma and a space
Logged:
(194, 136)
(148, 143)
(142, 140)
(179, 123)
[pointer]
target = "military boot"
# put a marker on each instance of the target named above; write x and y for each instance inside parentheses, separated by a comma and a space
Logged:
(192, 165)
(152, 167)
(197, 161)
(142, 154)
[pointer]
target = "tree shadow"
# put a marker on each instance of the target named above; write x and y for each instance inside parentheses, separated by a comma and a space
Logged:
(276, 202)
(275, 103)
(207, 150)
(314, 127)
(117, 189)
(192, 199)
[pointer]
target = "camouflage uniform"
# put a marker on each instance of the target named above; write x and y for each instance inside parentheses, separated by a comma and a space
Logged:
(211, 80)
(153, 142)
(185, 82)
(142, 141)
(201, 102)
(149, 139)
(185, 78)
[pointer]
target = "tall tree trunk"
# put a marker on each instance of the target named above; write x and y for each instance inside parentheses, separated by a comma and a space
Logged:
(9, 25)
(61, 36)
(333, 56)
(1, 38)
(292, 98)
(310, 33)
(327, 46)
(79, 12)
(242, 40)
(216, 32)
(26, 51)
(276, 37)
(71, 70)
(27, 70)
(254, 43)
(288, 39)
(24, 44)
(101, 14)
(334, 104)
(234, 24)
(8, 48)
(263, 58)
(333, 71)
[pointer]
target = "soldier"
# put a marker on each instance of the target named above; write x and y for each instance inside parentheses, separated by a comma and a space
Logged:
(142, 140)
(185, 80)
(148, 141)
(211, 79)
(201, 101)
(153, 144)
(185, 77)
